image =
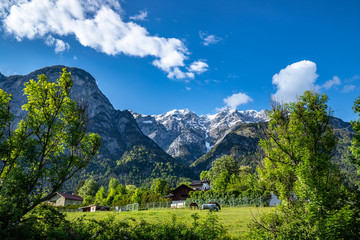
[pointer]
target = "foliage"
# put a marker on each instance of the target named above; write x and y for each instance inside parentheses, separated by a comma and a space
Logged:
(78, 186)
(299, 149)
(89, 188)
(160, 186)
(46, 148)
(230, 180)
(298, 168)
(47, 223)
(221, 171)
(355, 143)
(118, 195)
(100, 196)
(141, 165)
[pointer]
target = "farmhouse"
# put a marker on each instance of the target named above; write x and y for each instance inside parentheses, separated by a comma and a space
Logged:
(201, 185)
(94, 208)
(181, 193)
(63, 199)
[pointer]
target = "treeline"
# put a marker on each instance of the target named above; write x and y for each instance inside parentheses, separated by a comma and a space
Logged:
(117, 194)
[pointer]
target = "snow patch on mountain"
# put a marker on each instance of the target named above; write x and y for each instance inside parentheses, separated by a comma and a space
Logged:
(183, 133)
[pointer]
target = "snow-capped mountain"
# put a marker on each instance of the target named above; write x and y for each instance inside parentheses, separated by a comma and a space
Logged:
(185, 135)
(123, 143)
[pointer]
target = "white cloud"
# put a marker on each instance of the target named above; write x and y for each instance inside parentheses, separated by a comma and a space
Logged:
(209, 39)
(198, 67)
(95, 24)
(348, 88)
(292, 81)
(188, 88)
(177, 73)
(60, 46)
(237, 99)
(332, 82)
(141, 16)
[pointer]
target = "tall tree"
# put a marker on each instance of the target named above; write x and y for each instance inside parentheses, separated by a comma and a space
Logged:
(355, 144)
(221, 171)
(89, 188)
(160, 186)
(46, 148)
(298, 168)
(298, 151)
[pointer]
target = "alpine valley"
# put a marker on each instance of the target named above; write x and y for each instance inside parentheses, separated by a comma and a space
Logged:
(176, 145)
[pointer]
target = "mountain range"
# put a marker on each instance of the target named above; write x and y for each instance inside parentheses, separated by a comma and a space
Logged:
(176, 145)
(187, 136)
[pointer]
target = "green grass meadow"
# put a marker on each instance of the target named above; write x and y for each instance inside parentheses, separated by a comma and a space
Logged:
(236, 220)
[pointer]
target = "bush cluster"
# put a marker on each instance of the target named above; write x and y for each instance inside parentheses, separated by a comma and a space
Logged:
(47, 223)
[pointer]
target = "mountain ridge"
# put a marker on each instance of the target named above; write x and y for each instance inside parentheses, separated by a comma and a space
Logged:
(119, 131)
(187, 136)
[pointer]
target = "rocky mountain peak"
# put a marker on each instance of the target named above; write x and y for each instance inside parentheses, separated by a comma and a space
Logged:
(121, 135)
(185, 135)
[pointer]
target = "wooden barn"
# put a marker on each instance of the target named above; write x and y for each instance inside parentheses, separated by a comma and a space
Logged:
(181, 193)
(94, 208)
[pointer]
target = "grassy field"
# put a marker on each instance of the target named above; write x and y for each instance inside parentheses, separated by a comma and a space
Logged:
(236, 220)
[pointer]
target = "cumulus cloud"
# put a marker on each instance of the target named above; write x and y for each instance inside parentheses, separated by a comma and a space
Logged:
(95, 24)
(348, 88)
(293, 80)
(237, 99)
(141, 16)
(209, 39)
(332, 82)
(60, 46)
(198, 67)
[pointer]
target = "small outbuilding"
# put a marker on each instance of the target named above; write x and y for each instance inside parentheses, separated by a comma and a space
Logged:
(94, 208)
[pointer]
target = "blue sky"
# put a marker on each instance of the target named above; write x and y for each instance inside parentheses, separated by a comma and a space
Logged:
(154, 56)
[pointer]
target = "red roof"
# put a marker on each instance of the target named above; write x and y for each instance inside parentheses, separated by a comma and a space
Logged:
(71, 197)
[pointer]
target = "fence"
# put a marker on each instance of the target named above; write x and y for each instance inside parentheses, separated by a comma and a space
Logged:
(234, 202)
(223, 202)
(128, 207)
(155, 205)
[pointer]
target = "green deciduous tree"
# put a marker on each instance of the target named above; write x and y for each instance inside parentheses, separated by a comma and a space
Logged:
(355, 143)
(89, 188)
(116, 191)
(160, 186)
(298, 168)
(101, 195)
(44, 150)
(298, 151)
(221, 171)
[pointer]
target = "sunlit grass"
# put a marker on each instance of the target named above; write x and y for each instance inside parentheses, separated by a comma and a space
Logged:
(236, 220)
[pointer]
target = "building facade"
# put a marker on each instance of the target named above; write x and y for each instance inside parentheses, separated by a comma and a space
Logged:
(63, 199)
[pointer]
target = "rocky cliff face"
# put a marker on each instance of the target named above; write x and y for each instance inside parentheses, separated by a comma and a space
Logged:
(243, 143)
(187, 136)
(118, 129)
